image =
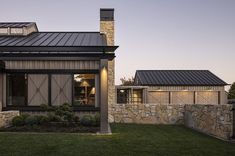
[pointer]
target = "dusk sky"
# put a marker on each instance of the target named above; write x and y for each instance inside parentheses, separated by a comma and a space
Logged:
(152, 34)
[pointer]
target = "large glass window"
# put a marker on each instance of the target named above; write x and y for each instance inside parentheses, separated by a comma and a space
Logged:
(129, 95)
(123, 96)
(16, 89)
(137, 96)
(84, 90)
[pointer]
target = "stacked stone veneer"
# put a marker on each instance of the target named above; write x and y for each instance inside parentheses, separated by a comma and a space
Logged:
(107, 27)
(216, 120)
(6, 117)
(147, 113)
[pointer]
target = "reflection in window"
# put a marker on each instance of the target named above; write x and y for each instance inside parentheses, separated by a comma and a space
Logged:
(16, 89)
(129, 95)
(84, 89)
(122, 96)
(137, 96)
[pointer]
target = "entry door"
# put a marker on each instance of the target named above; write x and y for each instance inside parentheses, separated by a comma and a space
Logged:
(37, 89)
(61, 89)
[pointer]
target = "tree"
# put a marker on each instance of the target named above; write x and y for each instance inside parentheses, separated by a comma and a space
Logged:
(231, 92)
(127, 81)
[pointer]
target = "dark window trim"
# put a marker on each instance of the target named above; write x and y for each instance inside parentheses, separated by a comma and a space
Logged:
(26, 99)
(73, 88)
(49, 73)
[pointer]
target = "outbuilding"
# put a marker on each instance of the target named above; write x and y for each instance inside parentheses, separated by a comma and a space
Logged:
(174, 87)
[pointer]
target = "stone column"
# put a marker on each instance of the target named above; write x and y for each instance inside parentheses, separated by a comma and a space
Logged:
(104, 125)
(107, 28)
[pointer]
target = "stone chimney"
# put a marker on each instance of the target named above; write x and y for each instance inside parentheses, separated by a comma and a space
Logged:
(107, 27)
(107, 24)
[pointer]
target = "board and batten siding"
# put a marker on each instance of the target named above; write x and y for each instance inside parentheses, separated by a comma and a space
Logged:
(185, 94)
(40, 64)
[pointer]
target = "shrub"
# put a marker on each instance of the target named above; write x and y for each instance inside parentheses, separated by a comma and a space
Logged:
(53, 118)
(31, 120)
(65, 112)
(42, 119)
(24, 116)
(97, 119)
(76, 119)
(87, 120)
(18, 121)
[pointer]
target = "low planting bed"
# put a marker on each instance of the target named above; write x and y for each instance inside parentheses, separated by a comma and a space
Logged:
(57, 119)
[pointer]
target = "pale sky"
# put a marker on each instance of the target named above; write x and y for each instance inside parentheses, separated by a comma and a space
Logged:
(152, 34)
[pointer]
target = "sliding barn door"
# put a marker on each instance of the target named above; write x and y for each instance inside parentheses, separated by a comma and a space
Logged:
(61, 89)
(37, 89)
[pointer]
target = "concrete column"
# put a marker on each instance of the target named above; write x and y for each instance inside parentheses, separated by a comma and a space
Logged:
(104, 125)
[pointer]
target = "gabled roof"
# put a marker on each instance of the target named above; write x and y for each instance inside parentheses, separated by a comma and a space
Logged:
(177, 78)
(56, 41)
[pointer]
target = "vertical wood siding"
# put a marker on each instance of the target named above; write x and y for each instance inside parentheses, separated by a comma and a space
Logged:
(83, 64)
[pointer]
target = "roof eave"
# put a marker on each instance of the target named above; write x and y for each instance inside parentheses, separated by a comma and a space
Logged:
(58, 48)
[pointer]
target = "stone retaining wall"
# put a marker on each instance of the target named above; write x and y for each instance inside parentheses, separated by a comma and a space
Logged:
(216, 120)
(6, 117)
(146, 113)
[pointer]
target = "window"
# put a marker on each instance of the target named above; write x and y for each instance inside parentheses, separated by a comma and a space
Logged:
(137, 96)
(122, 96)
(84, 90)
(129, 95)
(16, 89)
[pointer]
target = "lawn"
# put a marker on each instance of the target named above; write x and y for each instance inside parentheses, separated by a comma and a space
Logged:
(127, 139)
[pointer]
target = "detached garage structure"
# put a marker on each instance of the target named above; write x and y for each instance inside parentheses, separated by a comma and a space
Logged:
(174, 87)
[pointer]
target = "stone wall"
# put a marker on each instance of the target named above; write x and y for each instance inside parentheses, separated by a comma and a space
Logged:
(6, 117)
(147, 113)
(216, 120)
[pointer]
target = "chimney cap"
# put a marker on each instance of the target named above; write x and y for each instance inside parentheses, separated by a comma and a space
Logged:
(107, 14)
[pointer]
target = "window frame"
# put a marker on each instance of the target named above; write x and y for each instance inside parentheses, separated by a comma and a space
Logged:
(7, 89)
(49, 73)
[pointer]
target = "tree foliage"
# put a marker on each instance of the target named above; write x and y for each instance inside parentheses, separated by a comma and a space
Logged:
(232, 91)
(127, 81)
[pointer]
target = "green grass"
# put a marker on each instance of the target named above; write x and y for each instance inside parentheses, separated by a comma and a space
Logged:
(127, 139)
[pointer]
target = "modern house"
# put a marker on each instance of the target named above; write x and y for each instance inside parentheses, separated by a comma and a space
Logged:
(58, 67)
(174, 87)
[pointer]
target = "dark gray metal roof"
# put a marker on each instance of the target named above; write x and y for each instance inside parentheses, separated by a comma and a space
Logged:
(177, 78)
(56, 41)
(15, 24)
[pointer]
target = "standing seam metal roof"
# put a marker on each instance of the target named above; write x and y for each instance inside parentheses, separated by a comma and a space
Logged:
(55, 39)
(177, 78)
